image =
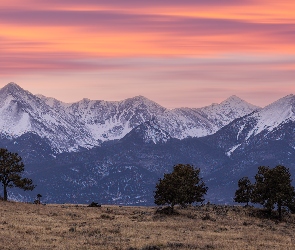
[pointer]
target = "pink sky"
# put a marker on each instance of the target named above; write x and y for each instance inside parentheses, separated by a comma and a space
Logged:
(178, 53)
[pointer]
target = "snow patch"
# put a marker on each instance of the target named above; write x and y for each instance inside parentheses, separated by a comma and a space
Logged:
(228, 153)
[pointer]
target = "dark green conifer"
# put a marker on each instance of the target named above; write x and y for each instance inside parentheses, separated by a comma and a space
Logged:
(183, 186)
(244, 192)
(273, 188)
(11, 170)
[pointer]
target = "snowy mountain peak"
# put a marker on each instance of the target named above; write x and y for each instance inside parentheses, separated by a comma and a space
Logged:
(141, 100)
(12, 85)
(216, 116)
(268, 119)
(290, 99)
(140, 97)
(235, 100)
(282, 104)
(11, 88)
(85, 100)
(22, 112)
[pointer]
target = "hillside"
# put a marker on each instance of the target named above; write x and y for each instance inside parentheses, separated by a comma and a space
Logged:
(28, 226)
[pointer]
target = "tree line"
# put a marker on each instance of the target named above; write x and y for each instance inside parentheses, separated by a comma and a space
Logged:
(272, 188)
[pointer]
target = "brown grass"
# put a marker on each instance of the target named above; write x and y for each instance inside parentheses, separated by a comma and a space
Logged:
(28, 226)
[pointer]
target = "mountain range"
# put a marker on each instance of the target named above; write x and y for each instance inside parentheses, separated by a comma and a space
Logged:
(87, 123)
(114, 152)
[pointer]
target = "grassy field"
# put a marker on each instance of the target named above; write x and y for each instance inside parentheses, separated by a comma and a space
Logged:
(29, 226)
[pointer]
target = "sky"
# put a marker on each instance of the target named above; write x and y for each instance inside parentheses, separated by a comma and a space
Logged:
(187, 53)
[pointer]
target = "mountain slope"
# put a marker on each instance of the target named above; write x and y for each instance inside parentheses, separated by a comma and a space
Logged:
(270, 122)
(148, 132)
(265, 137)
(122, 172)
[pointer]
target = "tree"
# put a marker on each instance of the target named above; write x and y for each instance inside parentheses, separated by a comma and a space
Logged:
(39, 196)
(244, 192)
(182, 186)
(273, 188)
(11, 169)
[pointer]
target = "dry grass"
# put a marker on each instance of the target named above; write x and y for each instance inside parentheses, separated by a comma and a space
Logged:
(28, 226)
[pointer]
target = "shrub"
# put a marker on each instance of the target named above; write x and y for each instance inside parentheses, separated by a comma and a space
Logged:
(94, 204)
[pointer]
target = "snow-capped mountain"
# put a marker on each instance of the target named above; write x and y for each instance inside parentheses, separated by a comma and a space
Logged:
(264, 138)
(109, 120)
(87, 123)
(113, 120)
(21, 112)
(271, 122)
(274, 115)
(205, 121)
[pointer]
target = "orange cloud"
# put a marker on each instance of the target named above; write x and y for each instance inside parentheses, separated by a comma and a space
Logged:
(41, 37)
(163, 29)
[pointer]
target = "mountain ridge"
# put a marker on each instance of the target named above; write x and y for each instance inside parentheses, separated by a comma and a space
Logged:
(87, 123)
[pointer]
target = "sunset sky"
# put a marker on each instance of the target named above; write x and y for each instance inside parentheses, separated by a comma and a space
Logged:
(178, 53)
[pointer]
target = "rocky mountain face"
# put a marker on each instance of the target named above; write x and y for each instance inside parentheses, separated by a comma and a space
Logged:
(85, 124)
(114, 152)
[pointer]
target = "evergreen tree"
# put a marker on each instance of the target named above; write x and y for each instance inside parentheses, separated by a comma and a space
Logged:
(244, 192)
(273, 188)
(182, 186)
(39, 196)
(11, 169)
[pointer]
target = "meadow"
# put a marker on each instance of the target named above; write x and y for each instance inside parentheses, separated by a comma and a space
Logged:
(52, 226)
